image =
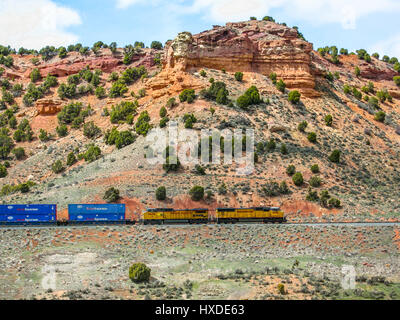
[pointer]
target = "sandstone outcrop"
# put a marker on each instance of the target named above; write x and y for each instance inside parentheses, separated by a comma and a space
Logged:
(252, 46)
(48, 106)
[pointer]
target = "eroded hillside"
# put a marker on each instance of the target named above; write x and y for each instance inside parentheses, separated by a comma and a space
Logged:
(353, 91)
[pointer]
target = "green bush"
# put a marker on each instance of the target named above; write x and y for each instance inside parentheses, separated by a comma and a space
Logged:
(71, 159)
(328, 120)
(100, 92)
(243, 102)
(19, 153)
(121, 111)
(161, 193)
(315, 181)
(312, 137)
(124, 139)
(298, 179)
(380, 116)
(67, 91)
(302, 126)
(250, 97)
(187, 95)
(281, 86)
(92, 153)
(70, 113)
(284, 149)
(346, 89)
(216, 92)
(44, 135)
(294, 96)
(397, 81)
(35, 75)
(290, 170)
(163, 112)
(315, 169)
(139, 272)
(142, 125)
(3, 171)
(57, 166)
(90, 130)
(335, 156)
(373, 102)
(239, 76)
(273, 77)
(197, 193)
(118, 89)
(203, 73)
(111, 195)
(357, 71)
(171, 164)
(156, 45)
(312, 195)
(163, 122)
(199, 170)
(24, 132)
(189, 119)
(6, 145)
(62, 130)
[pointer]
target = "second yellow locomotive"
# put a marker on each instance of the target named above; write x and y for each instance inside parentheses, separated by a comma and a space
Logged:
(257, 214)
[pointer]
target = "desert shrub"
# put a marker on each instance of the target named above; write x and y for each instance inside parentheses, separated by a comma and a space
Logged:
(139, 272)
(357, 71)
(216, 92)
(335, 156)
(187, 95)
(281, 289)
(171, 103)
(19, 153)
(346, 89)
(100, 92)
(92, 153)
(328, 120)
(90, 130)
(281, 86)
(7, 97)
(161, 193)
(250, 97)
(270, 146)
(121, 111)
(302, 126)
(124, 139)
(35, 75)
(357, 94)
(298, 179)
(294, 96)
(142, 125)
(384, 95)
(203, 73)
(189, 119)
(222, 189)
(156, 45)
(62, 130)
(397, 81)
(312, 137)
(284, 149)
(57, 166)
(44, 135)
(163, 122)
(273, 77)
(315, 168)
(312, 195)
(71, 159)
(163, 112)
(197, 193)
(290, 170)
(32, 94)
(380, 116)
(24, 132)
(67, 91)
(199, 170)
(334, 203)
(315, 181)
(239, 76)
(6, 145)
(171, 164)
(373, 102)
(69, 113)
(3, 171)
(118, 89)
(111, 195)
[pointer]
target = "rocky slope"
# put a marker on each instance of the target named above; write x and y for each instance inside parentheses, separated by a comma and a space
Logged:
(366, 180)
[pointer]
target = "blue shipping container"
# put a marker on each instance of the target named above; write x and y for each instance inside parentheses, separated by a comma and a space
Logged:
(28, 213)
(96, 212)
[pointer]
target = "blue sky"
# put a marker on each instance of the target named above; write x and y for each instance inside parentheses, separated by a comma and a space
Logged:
(352, 24)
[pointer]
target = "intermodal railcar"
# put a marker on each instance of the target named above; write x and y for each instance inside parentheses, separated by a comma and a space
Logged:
(96, 213)
(28, 214)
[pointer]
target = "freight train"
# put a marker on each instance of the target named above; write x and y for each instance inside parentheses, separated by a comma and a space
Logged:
(37, 214)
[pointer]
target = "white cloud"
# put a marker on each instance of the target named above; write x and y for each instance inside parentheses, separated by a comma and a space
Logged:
(344, 12)
(390, 47)
(34, 24)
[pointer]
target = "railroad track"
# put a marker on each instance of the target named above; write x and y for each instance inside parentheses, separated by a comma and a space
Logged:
(307, 224)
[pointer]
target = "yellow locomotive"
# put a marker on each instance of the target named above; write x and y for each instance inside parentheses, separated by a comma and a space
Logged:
(257, 214)
(168, 215)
